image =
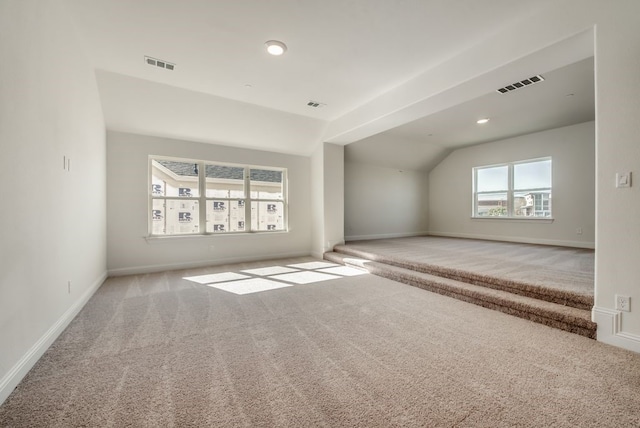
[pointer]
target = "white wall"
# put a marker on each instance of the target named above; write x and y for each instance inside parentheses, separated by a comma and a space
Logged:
(617, 150)
(317, 201)
(333, 195)
(572, 150)
(54, 220)
(127, 170)
(327, 181)
(384, 202)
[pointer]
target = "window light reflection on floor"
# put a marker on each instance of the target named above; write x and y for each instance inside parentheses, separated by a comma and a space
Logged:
(216, 277)
(248, 286)
(305, 277)
(271, 270)
(274, 277)
(313, 265)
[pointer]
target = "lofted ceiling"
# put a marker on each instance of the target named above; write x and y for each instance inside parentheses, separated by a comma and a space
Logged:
(565, 97)
(349, 55)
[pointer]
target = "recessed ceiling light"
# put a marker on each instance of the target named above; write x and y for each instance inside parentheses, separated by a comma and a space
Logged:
(481, 121)
(275, 47)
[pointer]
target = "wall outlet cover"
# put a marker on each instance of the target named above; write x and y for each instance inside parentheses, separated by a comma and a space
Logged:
(623, 303)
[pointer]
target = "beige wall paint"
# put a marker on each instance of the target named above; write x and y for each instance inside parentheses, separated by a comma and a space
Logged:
(572, 150)
(130, 252)
(317, 201)
(54, 218)
(618, 150)
(333, 195)
(327, 171)
(384, 202)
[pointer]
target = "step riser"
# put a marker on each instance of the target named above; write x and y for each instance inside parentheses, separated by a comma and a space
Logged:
(560, 321)
(438, 288)
(470, 278)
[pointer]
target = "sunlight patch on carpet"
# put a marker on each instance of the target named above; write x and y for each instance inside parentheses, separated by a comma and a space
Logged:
(216, 277)
(304, 277)
(271, 270)
(248, 286)
(343, 271)
(313, 265)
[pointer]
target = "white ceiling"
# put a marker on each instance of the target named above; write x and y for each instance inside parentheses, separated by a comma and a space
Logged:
(566, 97)
(342, 53)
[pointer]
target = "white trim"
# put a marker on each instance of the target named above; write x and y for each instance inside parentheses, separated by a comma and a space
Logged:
(135, 270)
(383, 236)
(519, 239)
(610, 329)
(9, 382)
(163, 239)
(519, 219)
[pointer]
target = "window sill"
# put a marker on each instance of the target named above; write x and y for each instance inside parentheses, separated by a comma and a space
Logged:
(517, 219)
(180, 238)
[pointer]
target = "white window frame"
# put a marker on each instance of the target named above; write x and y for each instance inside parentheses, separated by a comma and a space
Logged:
(202, 197)
(510, 191)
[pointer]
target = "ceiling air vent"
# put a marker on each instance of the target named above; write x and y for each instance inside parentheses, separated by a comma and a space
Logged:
(159, 63)
(315, 104)
(521, 84)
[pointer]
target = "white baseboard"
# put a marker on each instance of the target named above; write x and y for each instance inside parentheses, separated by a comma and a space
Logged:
(610, 329)
(518, 239)
(9, 382)
(383, 236)
(136, 270)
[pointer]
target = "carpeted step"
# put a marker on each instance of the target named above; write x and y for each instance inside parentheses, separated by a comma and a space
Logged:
(552, 314)
(523, 288)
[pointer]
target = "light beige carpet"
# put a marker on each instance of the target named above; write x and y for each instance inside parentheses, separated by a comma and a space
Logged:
(343, 351)
(560, 269)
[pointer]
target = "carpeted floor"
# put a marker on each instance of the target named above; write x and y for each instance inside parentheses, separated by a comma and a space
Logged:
(562, 268)
(327, 349)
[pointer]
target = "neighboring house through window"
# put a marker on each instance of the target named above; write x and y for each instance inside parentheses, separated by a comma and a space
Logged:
(513, 190)
(197, 197)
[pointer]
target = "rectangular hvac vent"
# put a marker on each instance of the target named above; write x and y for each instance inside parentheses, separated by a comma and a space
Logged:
(521, 84)
(315, 104)
(159, 63)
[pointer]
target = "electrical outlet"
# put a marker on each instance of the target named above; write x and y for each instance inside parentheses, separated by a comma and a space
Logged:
(69, 287)
(578, 231)
(623, 303)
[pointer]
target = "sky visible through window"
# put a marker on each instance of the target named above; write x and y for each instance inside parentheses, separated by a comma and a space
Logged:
(530, 175)
(533, 175)
(492, 179)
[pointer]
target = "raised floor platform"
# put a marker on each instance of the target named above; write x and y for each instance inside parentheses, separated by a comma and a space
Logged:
(545, 284)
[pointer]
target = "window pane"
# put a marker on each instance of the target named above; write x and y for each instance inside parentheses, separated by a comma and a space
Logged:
(532, 204)
(492, 179)
(171, 178)
(225, 216)
(492, 204)
(174, 216)
(532, 175)
(267, 215)
(224, 181)
(158, 217)
(266, 184)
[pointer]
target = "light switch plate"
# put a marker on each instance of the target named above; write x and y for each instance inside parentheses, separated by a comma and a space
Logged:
(623, 179)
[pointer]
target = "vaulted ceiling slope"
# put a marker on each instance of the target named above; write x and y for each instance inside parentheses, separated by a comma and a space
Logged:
(373, 64)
